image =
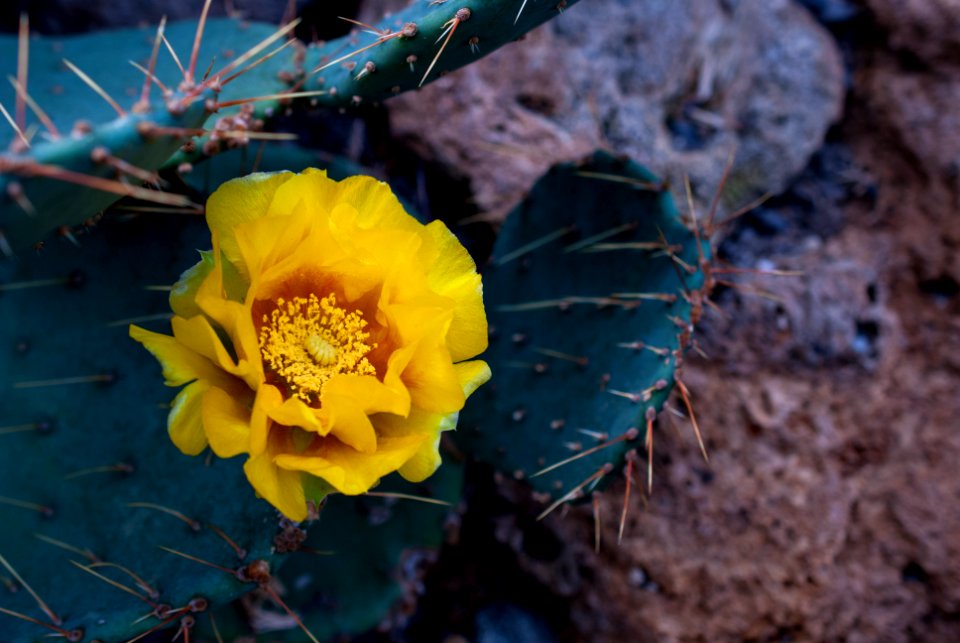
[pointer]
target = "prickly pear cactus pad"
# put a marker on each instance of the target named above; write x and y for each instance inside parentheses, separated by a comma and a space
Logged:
(91, 489)
(101, 134)
(360, 566)
(591, 293)
(419, 44)
(366, 555)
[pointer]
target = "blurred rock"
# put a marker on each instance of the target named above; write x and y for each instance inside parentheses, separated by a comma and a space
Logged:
(504, 623)
(677, 85)
(832, 11)
(928, 29)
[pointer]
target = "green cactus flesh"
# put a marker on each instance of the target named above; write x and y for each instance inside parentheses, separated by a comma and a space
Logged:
(360, 565)
(34, 202)
(43, 189)
(273, 158)
(411, 39)
(87, 471)
(591, 295)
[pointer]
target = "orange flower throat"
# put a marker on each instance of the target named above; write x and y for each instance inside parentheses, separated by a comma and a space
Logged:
(307, 340)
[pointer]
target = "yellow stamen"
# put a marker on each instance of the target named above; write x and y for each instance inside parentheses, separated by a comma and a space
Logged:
(308, 340)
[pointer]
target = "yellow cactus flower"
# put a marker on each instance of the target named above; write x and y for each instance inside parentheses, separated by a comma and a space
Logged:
(328, 334)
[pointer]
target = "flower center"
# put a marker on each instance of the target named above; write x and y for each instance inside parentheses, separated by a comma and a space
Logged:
(307, 340)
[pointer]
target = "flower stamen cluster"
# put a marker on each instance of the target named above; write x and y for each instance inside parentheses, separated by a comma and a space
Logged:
(307, 340)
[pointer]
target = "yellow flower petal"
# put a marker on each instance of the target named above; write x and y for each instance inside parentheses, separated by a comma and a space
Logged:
(348, 470)
(263, 243)
(226, 422)
(472, 375)
(199, 336)
(373, 395)
(238, 201)
(280, 487)
(344, 418)
(376, 204)
(184, 423)
(183, 296)
(427, 458)
(430, 376)
(180, 364)
(267, 397)
(453, 274)
(294, 412)
(311, 188)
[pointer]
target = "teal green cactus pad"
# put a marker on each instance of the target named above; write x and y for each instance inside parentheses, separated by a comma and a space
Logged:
(361, 562)
(272, 158)
(378, 547)
(47, 187)
(410, 41)
(95, 140)
(592, 293)
(87, 472)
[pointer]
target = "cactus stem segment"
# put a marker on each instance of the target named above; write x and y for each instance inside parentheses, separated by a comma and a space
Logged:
(450, 27)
